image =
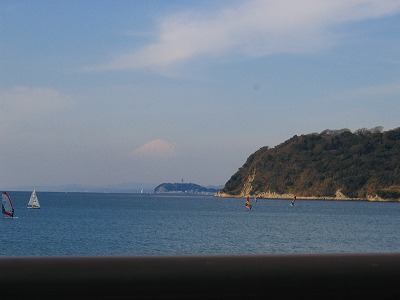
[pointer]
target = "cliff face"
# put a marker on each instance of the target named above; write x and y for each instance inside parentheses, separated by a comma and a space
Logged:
(335, 164)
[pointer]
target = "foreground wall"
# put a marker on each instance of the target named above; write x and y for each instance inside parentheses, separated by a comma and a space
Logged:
(345, 276)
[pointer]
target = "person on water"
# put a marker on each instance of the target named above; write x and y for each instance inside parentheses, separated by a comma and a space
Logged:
(293, 200)
(247, 204)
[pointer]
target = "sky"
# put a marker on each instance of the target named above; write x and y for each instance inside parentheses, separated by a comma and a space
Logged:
(107, 92)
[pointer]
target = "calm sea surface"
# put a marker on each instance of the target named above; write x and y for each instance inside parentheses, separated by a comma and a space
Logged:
(81, 224)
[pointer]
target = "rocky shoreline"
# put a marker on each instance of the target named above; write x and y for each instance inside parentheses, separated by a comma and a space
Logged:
(275, 196)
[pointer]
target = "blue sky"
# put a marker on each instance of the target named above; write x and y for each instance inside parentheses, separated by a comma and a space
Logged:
(109, 92)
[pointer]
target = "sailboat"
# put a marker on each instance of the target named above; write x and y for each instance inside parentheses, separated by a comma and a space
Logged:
(6, 205)
(33, 201)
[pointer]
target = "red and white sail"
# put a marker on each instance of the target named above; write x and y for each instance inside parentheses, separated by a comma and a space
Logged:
(6, 205)
(248, 204)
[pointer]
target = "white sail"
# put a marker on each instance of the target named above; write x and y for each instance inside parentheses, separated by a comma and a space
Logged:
(33, 201)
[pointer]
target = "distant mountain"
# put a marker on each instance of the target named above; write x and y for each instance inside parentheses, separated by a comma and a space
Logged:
(335, 164)
(188, 188)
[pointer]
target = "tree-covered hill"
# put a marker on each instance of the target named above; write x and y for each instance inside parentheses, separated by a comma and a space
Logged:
(333, 164)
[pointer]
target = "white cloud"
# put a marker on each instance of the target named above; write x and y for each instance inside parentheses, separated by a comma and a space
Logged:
(156, 149)
(253, 28)
(25, 103)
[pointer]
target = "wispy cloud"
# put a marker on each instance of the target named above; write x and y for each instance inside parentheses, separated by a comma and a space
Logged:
(20, 102)
(251, 28)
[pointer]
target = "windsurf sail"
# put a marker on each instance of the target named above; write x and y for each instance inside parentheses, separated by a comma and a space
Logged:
(33, 200)
(248, 204)
(6, 205)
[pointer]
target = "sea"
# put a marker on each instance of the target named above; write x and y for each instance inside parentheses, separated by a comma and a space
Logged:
(121, 224)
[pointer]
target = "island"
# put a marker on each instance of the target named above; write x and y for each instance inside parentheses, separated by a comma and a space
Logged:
(331, 165)
(186, 188)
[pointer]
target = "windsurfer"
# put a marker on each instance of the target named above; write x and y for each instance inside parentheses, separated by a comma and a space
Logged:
(6, 205)
(293, 200)
(247, 204)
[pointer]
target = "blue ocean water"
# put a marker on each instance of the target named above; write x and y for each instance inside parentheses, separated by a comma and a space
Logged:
(86, 224)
